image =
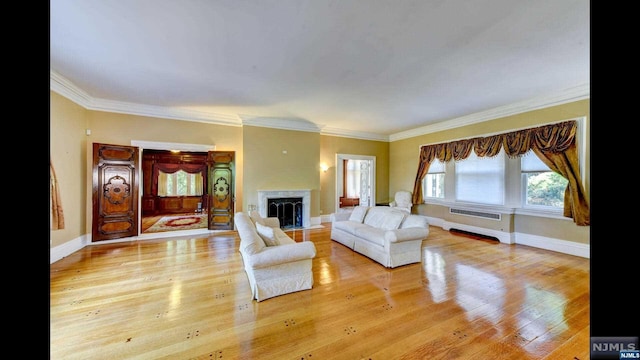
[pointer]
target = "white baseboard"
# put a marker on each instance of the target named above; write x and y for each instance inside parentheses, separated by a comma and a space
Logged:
(325, 218)
(542, 242)
(503, 236)
(58, 252)
(567, 247)
(563, 246)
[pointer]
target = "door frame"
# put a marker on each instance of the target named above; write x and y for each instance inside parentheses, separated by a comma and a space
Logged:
(157, 145)
(340, 172)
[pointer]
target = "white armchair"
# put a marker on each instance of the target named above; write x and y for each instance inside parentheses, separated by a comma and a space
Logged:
(403, 200)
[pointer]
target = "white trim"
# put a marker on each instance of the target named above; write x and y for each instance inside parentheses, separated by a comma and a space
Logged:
(61, 251)
(279, 123)
(155, 145)
(305, 194)
(340, 171)
(503, 236)
(576, 93)
(541, 242)
(551, 214)
(562, 246)
(472, 207)
(66, 88)
(353, 134)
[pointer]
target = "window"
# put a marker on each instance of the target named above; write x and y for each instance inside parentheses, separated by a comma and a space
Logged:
(481, 179)
(180, 183)
(485, 181)
(524, 184)
(542, 187)
(433, 183)
(353, 178)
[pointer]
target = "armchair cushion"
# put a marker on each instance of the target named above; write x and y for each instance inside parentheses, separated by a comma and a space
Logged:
(283, 266)
(403, 200)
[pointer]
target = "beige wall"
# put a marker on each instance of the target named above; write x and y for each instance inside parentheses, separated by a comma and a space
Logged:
(405, 156)
(268, 167)
(67, 150)
(332, 145)
(121, 129)
(261, 165)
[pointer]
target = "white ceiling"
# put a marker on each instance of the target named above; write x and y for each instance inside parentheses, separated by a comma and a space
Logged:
(362, 68)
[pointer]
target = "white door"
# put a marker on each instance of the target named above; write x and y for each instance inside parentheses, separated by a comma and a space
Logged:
(367, 181)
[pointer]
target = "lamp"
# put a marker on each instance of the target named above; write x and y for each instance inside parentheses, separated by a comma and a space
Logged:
(324, 167)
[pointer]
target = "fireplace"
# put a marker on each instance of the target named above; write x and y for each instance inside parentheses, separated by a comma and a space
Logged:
(287, 210)
(289, 202)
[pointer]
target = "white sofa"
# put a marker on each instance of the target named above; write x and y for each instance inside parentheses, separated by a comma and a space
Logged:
(275, 263)
(387, 235)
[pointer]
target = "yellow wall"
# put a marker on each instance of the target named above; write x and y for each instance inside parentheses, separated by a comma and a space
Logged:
(120, 129)
(276, 159)
(332, 145)
(261, 165)
(405, 156)
(67, 150)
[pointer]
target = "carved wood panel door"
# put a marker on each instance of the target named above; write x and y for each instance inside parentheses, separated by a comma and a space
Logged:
(221, 168)
(115, 192)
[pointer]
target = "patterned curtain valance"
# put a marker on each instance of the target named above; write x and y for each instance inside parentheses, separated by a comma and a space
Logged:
(555, 138)
(554, 144)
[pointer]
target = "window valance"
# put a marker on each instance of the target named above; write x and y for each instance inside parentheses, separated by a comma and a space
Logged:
(170, 168)
(554, 144)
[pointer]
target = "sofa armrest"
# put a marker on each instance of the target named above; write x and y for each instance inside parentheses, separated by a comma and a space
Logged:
(275, 255)
(399, 235)
(272, 222)
(340, 216)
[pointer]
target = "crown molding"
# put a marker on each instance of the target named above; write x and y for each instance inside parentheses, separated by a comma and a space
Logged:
(280, 123)
(64, 87)
(165, 112)
(576, 93)
(354, 134)
(172, 146)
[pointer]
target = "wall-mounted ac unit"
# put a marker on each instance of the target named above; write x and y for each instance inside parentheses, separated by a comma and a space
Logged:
(479, 214)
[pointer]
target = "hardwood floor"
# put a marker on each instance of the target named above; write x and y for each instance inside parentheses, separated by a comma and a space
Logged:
(189, 298)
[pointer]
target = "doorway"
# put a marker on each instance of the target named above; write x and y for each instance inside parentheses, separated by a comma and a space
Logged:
(355, 181)
(184, 213)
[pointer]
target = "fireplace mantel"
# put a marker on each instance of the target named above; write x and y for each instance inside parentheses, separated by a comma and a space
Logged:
(305, 194)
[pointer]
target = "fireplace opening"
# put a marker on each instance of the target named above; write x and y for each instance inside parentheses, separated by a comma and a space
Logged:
(287, 210)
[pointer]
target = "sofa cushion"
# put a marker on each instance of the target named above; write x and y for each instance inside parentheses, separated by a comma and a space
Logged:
(273, 222)
(256, 218)
(266, 233)
(282, 237)
(383, 217)
(371, 234)
(348, 226)
(412, 221)
(358, 213)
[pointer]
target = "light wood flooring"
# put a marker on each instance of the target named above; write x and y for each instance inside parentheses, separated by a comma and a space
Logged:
(189, 298)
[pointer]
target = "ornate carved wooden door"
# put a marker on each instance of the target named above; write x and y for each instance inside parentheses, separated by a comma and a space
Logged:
(221, 189)
(115, 192)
